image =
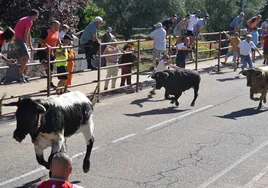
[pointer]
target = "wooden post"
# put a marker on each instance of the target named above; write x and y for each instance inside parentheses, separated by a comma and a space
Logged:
(138, 67)
(99, 72)
(210, 47)
(219, 52)
(48, 71)
(169, 45)
(196, 52)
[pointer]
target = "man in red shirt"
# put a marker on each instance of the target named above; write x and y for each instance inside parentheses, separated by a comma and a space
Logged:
(61, 168)
(265, 49)
(23, 40)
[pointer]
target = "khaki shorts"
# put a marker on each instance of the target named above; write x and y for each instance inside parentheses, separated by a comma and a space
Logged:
(157, 53)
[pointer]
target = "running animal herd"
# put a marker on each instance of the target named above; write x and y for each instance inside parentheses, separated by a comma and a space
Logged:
(51, 121)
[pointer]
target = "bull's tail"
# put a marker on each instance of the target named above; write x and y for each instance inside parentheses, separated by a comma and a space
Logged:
(1, 103)
(94, 97)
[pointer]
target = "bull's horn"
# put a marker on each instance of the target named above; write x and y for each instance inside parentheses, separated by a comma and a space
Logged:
(1, 101)
(94, 97)
(243, 71)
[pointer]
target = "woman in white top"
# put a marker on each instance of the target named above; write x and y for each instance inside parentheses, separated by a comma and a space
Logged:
(163, 64)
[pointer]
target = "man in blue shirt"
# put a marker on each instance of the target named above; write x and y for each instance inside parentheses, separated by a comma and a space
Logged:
(236, 24)
(90, 41)
(169, 22)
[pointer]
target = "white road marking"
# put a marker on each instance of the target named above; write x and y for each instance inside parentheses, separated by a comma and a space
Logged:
(256, 178)
(180, 117)
(227, 169)
(123, 138)
(37, 170)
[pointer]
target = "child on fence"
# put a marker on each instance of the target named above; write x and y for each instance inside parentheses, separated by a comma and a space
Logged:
(110, 61)
(164, 64)
(126, 69)
(70, 65)
(62, 55)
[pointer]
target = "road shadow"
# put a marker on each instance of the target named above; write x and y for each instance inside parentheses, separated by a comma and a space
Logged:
(140, 102)
(242, 113)
(230, 79)
(8, 117)
(170, 110)
(27, 185)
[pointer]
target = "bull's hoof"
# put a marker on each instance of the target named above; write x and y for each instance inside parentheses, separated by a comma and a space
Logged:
(86, 166)
(264, 100)
(50, 174)
(177, 103)
(172, 102)
(192, 104)
(256, 99)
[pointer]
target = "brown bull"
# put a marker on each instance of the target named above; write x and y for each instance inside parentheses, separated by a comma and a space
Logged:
(257, 80)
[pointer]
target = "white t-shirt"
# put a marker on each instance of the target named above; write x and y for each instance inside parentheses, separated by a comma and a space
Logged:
(161, 66)
(245, 47)
(61, 35)
(192, 22)
(159, 36)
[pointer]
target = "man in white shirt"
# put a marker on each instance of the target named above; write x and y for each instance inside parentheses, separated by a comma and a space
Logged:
(193, 20)
(244, 48)
(159, 37)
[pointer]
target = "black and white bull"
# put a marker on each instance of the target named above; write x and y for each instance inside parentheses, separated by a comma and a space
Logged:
(50, 121)
(257, 80)
(177, 81)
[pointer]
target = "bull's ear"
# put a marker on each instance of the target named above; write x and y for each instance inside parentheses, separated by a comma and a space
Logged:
(40, 108)
(244, 72)
(166, 75)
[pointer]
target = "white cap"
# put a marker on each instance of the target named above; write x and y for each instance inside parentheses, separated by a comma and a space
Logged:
(158, 24)
(249, 35)
(98, 19)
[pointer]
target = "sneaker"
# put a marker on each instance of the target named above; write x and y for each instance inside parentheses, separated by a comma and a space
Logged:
(152, 92)
(25, 77)
(105, 88)
(22, 80)
(93, 68)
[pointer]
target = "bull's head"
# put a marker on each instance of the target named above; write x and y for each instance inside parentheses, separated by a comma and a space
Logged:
(252, 75)
(27, 116)
(160, 78)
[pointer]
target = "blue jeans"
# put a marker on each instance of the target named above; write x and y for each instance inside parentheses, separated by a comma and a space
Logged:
(244, 60)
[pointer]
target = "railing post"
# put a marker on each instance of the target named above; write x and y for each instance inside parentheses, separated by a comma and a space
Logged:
(48, 71)
(219, 52)
(169, 45)
(196, 52)
(210, 47)
(99, 72)
(138, 67)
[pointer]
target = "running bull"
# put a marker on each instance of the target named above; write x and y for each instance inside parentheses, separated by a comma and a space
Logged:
(50, 121)
(177, 81)
(257, 80)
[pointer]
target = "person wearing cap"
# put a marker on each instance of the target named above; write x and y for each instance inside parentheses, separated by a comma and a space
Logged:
(181, 28)
(64, 30)
(200, 25)
(253, 22)
(49, 38)
(190, 27)
(70, 64)
(244, 51)
(90, 42)
(62, 56)
(111, 61)
(159, 46)
(169, 22)
(236, 24)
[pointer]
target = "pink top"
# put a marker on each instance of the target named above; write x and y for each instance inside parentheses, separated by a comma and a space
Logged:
(1, 38)
(22, 24)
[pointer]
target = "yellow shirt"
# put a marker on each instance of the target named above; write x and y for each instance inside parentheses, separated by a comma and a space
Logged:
(235, 41)
(61, 57)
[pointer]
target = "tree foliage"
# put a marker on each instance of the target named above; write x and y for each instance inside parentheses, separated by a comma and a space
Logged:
(61, 10)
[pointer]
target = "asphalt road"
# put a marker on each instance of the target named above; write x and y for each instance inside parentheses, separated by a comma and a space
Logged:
(148, 143)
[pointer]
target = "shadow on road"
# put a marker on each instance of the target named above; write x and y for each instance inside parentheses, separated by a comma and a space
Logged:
(243, 113)
(230, 79)
(26, 185)
(140, 102)
(170, 110)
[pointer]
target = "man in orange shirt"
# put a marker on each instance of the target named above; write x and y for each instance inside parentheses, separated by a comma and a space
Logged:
(49, 38)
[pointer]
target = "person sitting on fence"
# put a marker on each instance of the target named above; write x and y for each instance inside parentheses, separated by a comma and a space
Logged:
(169, 22)
(49, 38)
(62, 55)
(111, 61)
(183, 49)
(253, 22)
(235, 40)
(255, 40)
(159, 37)
(70, 64)
(190, 27)
(126, 69)
(200, 25)
(6, 36)
(236, 24)
(181, 28)
(163, 64)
